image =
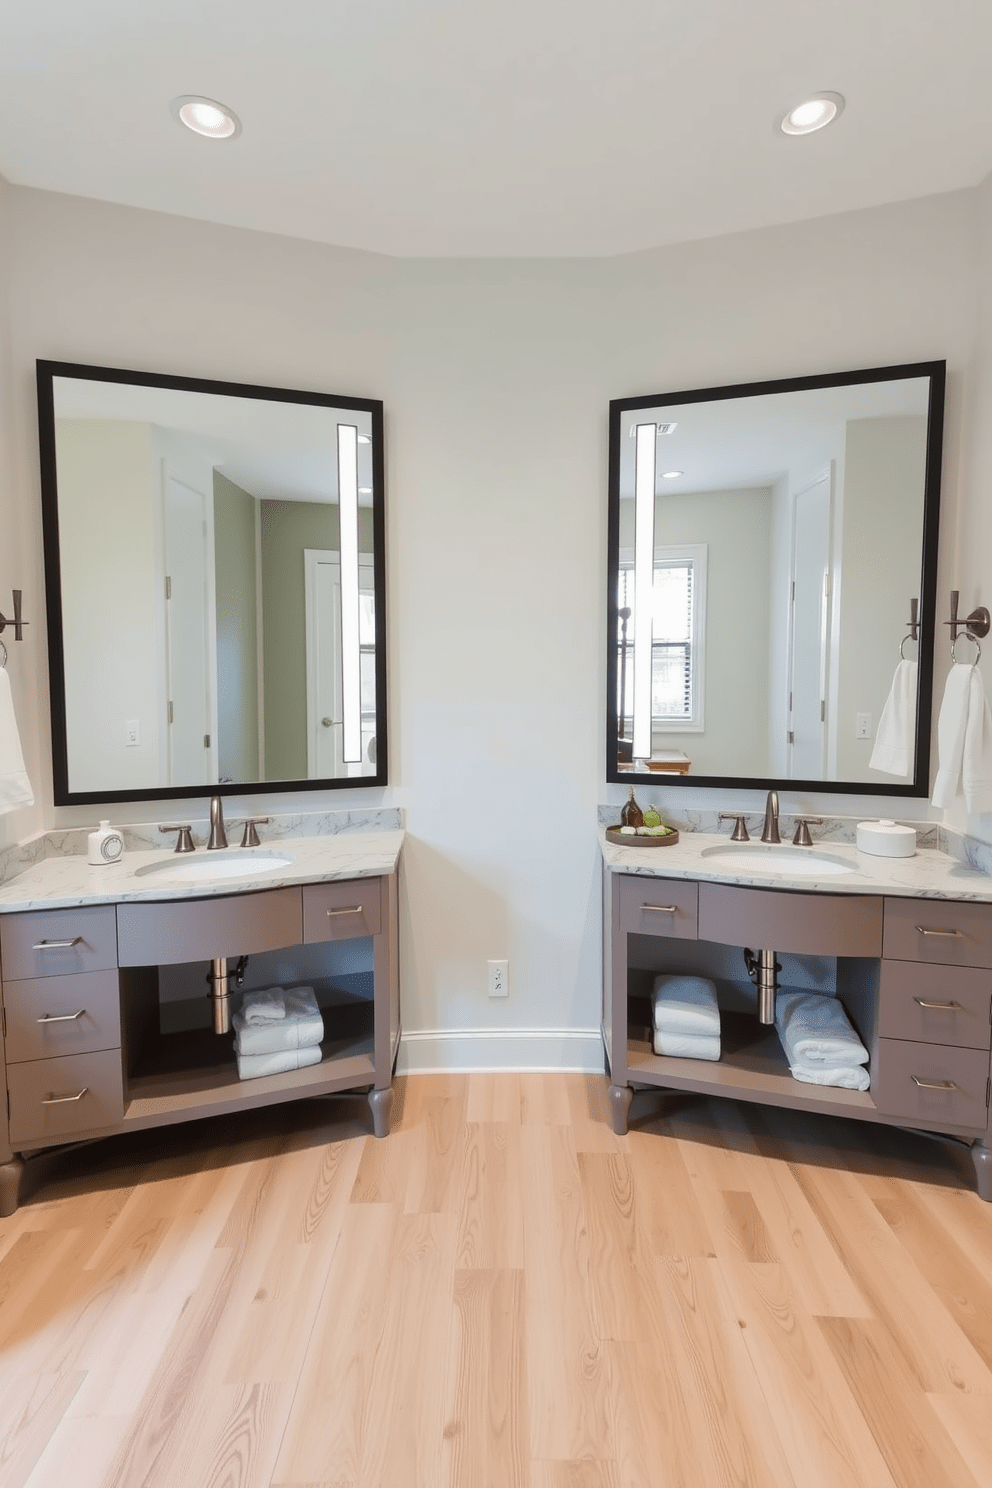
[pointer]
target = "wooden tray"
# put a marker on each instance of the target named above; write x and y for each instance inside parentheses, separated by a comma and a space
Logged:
(613, 834)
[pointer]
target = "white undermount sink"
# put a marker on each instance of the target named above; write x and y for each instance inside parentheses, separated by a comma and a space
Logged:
(248, 862)
(779, 861)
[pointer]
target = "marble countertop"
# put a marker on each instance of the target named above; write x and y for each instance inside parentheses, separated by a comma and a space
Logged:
(929, 874)
(68, 881)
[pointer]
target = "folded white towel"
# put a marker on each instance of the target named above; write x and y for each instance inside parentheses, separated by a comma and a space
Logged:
(951, 726)
(15, 787)
(253, 1066)
(686, 1045)
(816, 1032)
(685, 1004)
(895, 742)
(976, 758)
(299, 1029)
(264, 1006)
(847, 1076)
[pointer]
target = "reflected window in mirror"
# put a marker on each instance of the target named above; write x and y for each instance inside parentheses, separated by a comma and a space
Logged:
(215, 584)
(813, 503)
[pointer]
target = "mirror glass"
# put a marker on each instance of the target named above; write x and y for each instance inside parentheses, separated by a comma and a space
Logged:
(782, 537)
(215, 585)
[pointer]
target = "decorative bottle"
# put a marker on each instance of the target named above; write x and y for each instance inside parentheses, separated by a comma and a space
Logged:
(631, 815)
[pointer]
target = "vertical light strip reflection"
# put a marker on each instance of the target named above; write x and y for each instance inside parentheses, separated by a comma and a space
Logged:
(351, 675)
(644, 483)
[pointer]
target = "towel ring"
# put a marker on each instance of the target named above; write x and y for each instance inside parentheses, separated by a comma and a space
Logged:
(968, 637)
(902, 654)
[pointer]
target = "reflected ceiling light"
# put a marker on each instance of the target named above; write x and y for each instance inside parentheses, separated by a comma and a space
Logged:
(205, 116)
(660, 429)
(364, 490)
(365, 439)
(671, 474)
(812, 114)
(351, 680)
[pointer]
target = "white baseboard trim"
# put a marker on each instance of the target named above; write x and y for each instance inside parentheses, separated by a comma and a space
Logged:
(480, 1050)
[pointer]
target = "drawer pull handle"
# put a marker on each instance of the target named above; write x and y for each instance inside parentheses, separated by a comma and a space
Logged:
(57, 945)
(355, 909)
(62, 1017)
(944, 934)
(62, 1100)
(661, 908)
(943, 1007)
(933, 1084)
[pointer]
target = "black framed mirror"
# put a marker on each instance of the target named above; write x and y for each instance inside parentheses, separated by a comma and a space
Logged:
(783, 538)
(215, 577)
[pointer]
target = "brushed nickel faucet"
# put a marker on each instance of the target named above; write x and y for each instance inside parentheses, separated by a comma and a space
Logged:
(218, 835)
(769, 832)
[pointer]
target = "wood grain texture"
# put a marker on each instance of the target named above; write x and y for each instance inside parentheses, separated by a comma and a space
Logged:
(501, 1294)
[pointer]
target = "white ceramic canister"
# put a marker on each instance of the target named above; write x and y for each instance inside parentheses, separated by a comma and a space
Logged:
(886, 839)
(105, 845)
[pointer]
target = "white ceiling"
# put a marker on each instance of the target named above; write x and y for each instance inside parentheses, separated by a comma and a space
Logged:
(496, 127)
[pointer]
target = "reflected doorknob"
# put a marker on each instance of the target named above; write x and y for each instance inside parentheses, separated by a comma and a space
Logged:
(326, 722)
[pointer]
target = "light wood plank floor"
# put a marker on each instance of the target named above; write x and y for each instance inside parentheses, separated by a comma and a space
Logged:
(500, 1295)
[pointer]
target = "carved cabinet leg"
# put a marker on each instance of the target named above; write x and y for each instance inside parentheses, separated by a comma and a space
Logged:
(381, 1102)
(10, 1186)
(981, 1156)
(620, 1099)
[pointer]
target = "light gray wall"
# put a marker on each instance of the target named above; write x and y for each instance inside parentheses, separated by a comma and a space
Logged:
(496, 378)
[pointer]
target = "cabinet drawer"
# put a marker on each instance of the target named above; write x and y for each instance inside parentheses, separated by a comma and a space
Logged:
(802, 924)
(931, 1085)
(52, 1098)
(62, 1015)
(658, 906)
(171, 932)
(935, 930)
(58, 942)
(341, 911)
(935, 1004)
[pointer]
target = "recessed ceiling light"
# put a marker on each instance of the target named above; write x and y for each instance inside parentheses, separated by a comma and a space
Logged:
(812, 114)
(205, 116)
(671, 474)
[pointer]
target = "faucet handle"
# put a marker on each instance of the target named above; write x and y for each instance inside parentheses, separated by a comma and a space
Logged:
(803, 824)
(184, 842)
(249, 837)
(740, 833)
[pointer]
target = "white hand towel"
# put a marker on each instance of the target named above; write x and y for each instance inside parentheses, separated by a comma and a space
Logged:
(299, 1029)
(816, 1032)
(15, 787)
(895, 742)
(951, 726)
(686, 1004)
(264, 1006)
(253, 1066)
(976, 758)
(686, 1045)
(846, 1076)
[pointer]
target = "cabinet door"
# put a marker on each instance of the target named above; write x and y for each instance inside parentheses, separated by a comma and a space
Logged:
(936, 1004)
(58, 942)
(55, 1098)
(62, 1015)
(951, 933)
(341, 911)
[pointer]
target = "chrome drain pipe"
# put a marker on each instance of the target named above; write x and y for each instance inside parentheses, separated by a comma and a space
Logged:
(763, 970)
(220, 987)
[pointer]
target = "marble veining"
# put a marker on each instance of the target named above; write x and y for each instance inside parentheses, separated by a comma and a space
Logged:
(69, 881)
(930, 874)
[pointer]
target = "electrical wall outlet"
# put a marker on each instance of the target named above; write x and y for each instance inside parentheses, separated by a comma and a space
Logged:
(498, 978)
(132, 733)
(862, 725)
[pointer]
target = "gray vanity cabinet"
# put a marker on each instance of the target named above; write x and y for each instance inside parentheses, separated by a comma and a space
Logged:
(915, 977)
(84, 1051)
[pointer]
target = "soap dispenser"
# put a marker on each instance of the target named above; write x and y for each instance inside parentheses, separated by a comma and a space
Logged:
(105, 845)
